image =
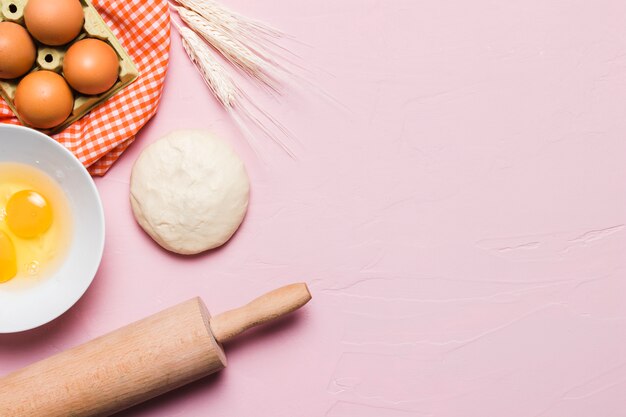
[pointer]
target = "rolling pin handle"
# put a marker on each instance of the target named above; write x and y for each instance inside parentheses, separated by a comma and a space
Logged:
(268, 307)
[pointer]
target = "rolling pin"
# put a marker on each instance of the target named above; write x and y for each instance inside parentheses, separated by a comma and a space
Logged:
(140, 361)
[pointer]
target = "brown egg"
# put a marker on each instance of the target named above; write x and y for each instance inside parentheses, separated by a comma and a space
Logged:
(17, 51)
(43, 99)
(54, 22)
(91, 66)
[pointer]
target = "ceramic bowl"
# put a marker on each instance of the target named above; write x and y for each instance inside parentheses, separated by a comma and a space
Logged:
(24, 307)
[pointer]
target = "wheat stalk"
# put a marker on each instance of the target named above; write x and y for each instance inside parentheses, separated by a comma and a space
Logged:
(234, 51)
(259, 38)
(226, 91)
(213, 74)
(234, 22)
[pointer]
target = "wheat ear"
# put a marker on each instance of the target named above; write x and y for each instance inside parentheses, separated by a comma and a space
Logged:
(221, 84)
(218, 14)
(234, 51)
(260, 39)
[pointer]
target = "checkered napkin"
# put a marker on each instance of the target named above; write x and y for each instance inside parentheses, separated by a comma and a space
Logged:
(98, 139)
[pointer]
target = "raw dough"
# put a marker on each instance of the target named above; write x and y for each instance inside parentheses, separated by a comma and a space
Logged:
(189, 191)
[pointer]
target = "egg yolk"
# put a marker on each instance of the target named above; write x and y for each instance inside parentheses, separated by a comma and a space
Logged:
(8, 260)
(28, 214)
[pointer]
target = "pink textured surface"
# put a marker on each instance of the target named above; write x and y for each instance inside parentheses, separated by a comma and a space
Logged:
(461, 225)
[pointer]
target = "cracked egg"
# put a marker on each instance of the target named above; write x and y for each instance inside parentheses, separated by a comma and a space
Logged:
(35, 222)
(51, 229)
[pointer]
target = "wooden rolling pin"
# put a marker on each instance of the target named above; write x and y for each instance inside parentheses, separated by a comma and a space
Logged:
(140, 361)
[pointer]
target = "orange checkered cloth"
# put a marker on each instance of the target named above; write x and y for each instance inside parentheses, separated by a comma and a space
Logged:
(98, 139)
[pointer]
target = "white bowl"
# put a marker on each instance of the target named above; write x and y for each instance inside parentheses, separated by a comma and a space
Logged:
(27, 308)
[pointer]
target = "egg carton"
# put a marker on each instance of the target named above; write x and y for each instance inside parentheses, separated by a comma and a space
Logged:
(51, 58)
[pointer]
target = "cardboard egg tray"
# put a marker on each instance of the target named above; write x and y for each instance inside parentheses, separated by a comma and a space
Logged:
(51, 58)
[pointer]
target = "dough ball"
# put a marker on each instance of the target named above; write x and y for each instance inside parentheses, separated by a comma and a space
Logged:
(189, 191)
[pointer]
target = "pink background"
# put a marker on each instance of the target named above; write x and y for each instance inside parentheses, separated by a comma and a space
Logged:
(460, 222)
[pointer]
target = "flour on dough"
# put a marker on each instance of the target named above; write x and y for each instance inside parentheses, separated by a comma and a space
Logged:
(189, 191)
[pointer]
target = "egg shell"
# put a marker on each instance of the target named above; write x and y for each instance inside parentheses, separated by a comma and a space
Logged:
(54, 22)
(43, 99)
(91, 66)
(17, 51)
